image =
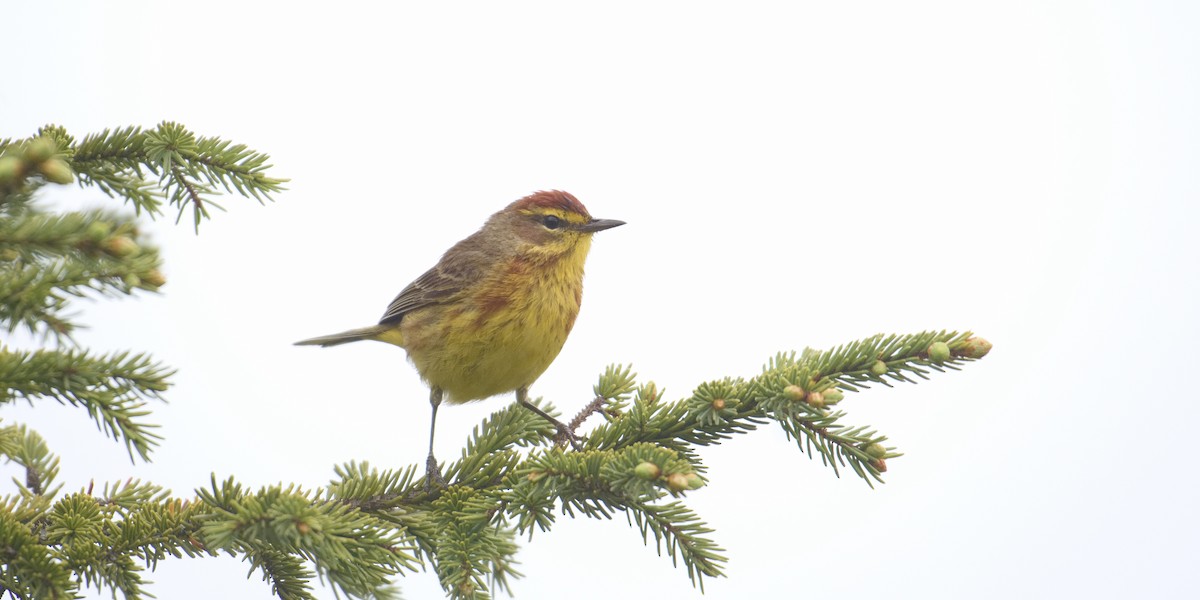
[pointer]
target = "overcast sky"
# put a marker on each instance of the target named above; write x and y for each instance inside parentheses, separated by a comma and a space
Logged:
(797, 174)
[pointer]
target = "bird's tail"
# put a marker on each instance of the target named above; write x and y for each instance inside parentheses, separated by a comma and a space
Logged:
(354, 335)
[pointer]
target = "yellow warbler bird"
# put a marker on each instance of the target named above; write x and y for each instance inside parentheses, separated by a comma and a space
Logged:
(494, 312)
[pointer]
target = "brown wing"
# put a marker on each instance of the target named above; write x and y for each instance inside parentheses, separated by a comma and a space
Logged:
(446, 282)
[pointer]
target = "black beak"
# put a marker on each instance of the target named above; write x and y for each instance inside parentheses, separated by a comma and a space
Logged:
(599, 225)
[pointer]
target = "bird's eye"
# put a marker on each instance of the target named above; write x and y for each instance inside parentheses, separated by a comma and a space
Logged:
(551, 222)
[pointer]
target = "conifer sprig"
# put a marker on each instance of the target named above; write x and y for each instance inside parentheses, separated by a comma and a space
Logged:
(115, 389)
(122, 163)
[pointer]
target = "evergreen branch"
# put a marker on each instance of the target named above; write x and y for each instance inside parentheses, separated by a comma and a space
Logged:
(55, 257)
(28, 568)
(114, 388)
(289, 578)
(484, 460)
(681, 533)
(29, 450)
(795, 392)
(118, 161)
(182, 161)
(112, 161)
(350, 549)
(469, 554)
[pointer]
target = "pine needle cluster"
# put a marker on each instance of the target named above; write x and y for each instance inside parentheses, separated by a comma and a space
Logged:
(515, 477)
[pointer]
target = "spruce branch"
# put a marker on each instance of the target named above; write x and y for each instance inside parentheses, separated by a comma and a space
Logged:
(355, 553)
(29, 450)
(121, 162)
(53, 258)
(114, 388)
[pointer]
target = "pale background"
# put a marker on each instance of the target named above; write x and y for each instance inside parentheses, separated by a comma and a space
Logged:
(792, 174)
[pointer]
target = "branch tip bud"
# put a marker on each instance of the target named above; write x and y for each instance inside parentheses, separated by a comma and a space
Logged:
(154, 279)
(939, 352)
(40, 150)
(121, 246)
(677, 482)
(647, 471)
(833, 396)
(57, 171)
(12, 169)
(98, 231)
(973, 347)
(816, 399)
(794, 393)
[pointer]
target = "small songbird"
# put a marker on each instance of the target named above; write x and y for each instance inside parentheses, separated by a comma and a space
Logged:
(494, 312)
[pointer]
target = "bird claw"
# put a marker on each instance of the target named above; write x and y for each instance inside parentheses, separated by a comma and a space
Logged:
(433, 475)
(565, 436)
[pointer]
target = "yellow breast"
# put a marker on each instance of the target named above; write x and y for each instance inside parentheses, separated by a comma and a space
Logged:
(502, 336)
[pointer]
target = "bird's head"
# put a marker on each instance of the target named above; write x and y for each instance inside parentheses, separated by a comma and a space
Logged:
(551, 225)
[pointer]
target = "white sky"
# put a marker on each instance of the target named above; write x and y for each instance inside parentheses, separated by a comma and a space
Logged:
(792, 175)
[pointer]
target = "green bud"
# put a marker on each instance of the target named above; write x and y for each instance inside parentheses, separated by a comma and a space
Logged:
(875, 450)
(833, 396)
(57, 171)
(939, 352)
(816, 399)
(40, 150)
(647, 471)
(132, 280)
(9, 255)
(677, 482)
(973, 347)
(11, 169)
(649, 392)
(694, 481)
(154, 279)
(879, 368)
(98, 231)
(121, 246)
(794, 393)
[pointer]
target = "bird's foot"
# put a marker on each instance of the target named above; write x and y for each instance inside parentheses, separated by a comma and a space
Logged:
(433, 475)
(566, 436)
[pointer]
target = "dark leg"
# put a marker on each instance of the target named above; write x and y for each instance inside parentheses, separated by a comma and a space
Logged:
(433, 474)
(564, 433)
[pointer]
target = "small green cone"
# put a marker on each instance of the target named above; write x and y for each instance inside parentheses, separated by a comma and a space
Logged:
(98, 231)
(39, 150)
(647, 471)
(816, 399)
(57, 171)
(973, 347)
(677, 482)
(11, 169)
(121, 246)
(833, 395)
(939, 352)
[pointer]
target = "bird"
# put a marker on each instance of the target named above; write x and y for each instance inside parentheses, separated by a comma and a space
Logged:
(492, 315)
